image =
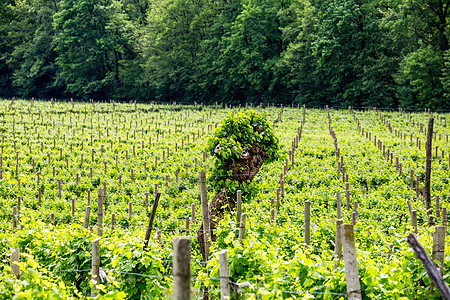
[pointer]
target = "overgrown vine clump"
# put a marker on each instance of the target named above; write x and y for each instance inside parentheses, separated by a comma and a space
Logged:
(241, 144)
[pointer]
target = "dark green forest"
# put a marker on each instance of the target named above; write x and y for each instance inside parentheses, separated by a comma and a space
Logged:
(363, 53)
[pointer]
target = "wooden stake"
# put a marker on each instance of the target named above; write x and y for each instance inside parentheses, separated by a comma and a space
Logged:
(427, 184)
(86, 217)
(224, 276)
(439, 246)
(350, 262)
(444, 216)
(438, 208)
(430, 267)
(338, 204)
(410, 207)
(205, 212)
(307, 222)
(278, 200)
(181, 268)
(100, 211)
(95, 265)
(151, 220)
(238, 206)
(242, 227)
(414, 220)
(14, 217)
(15, 260)
(338, 239)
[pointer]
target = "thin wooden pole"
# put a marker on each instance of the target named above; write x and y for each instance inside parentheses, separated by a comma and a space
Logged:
(95, 265)
(414, 220)
(430, 267)
(338, 199)
(100, 212)
(242, 227)
(307, 222)
(410, 207)
(86, 217)
(444, 216)
(205, 212)
(427, 185)
(151, 219)
(15, 260)
(238, 206)
(181, 268)
(338, 239)
(439, 246)
(224, 276)
(350, 262)
(14, 216)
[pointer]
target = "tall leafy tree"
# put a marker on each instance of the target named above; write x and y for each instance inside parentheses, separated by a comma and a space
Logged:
(296, 69)
(6, 16)
(171, 46)
(33, 56)
(92, 45)
(421, 78)
(350, 54)
(250, 52)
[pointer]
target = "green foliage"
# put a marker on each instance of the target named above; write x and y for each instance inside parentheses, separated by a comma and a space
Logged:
(92, 43)
(233, 139)
(361, 53)
(423, 70)
(271, 262)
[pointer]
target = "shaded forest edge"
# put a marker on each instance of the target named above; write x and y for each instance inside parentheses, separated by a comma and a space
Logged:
(388, 53)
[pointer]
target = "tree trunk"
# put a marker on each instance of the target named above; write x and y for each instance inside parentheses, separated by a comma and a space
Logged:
(243, 170)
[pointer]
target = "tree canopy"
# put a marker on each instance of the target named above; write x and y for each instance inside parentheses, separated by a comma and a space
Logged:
(363, 53)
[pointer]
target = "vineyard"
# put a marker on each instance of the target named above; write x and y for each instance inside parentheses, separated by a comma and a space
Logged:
(366, 167)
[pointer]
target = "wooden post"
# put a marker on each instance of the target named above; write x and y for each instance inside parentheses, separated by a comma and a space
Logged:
(412, 179)
(224, 276)
(430, 267)
(338, 239)
(417, 186)
(307, 222)
(95, 265)
(181, 268)
(350, 262)
(242, 226)
(444, 216)
(347, 195)
(187, 225)
(427, 184)
(278, 200)
(14, 216)
(15, 260)
(205, 212)
(410, 207)
(86, 217)
(238, 206)
(100, 212)
(193, 212)
(338, 199)
(414, 220)
(439, 246)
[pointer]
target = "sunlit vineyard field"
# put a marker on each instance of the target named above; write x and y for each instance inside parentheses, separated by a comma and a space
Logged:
(55, 156)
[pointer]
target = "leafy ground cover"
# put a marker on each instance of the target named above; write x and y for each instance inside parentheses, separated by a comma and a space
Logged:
(63, 141)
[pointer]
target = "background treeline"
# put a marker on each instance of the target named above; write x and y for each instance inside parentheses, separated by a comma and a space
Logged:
(383, 53)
